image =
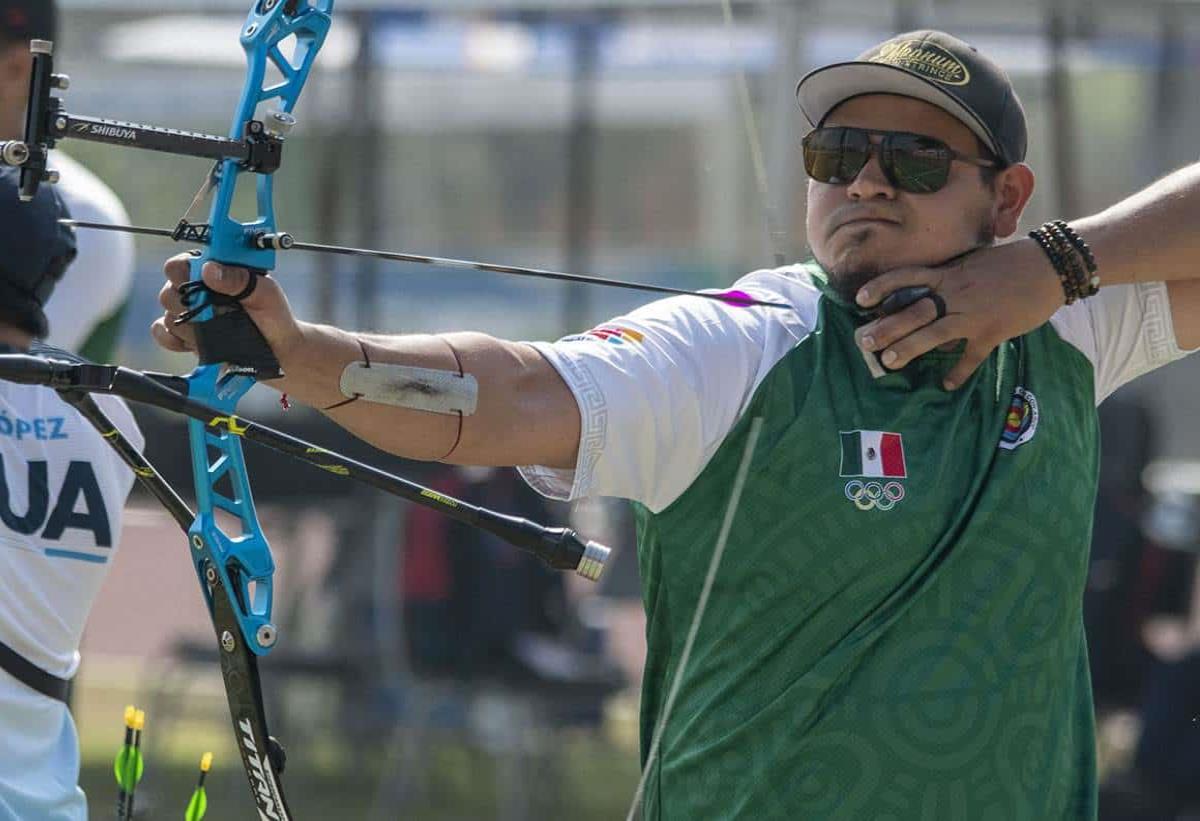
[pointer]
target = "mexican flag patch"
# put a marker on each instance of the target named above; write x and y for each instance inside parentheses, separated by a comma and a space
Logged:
(873, 453)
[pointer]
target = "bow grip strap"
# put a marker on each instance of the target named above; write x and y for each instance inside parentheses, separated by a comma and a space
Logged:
(230, 335)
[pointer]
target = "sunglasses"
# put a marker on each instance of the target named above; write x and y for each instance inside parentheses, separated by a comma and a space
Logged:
(911, 162)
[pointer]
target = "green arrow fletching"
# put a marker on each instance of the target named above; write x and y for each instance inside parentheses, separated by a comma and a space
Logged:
(128, 768)
(197, 806)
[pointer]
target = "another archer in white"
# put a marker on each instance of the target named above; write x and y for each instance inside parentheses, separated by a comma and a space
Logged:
(62, 491)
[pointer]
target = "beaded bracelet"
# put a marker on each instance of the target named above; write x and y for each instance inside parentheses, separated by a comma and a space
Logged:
(1080, 278)
(1085, 251)
(1071, 257)
(1059, 262)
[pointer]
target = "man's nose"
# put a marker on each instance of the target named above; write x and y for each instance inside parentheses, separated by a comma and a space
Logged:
(871, 182)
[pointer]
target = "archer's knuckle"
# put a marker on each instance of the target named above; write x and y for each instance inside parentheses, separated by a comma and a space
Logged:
(945, 333)
(895, 327)
(160, 335)
(907, 324)
(910, 349)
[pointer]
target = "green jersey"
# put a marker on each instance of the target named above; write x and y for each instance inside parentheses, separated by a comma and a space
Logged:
(895, 629)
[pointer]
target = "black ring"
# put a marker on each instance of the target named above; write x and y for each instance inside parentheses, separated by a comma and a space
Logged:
(938, 303)
(250, 286)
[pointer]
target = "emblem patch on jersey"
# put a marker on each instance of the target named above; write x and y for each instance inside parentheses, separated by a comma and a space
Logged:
(874, 495)
(869, 455)
(614, 334)
(1022, 420)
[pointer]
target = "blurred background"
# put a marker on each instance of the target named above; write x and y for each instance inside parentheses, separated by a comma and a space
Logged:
(424, 670)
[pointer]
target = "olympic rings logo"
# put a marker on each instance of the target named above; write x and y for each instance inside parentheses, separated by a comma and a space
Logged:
(873, 495)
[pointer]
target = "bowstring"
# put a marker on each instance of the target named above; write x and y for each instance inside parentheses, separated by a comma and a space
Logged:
(775, 236)
(203, 193)
(731, 509)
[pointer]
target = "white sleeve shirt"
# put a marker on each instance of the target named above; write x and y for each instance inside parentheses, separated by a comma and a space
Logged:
(1125, 331)
(659, 388)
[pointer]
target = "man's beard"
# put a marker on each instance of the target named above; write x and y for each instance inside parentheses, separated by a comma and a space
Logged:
(848, 278)
(847, 281)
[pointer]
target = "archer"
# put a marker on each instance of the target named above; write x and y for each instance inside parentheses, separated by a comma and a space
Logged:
(863, 534)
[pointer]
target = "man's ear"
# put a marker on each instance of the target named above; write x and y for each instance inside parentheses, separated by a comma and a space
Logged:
(1013, 186)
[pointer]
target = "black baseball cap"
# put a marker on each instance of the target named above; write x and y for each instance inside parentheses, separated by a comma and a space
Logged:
(35, 251)
(935, 67)
(25, 20)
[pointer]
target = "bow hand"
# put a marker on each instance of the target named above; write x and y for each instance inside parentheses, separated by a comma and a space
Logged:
(263, 306)
(229, 335)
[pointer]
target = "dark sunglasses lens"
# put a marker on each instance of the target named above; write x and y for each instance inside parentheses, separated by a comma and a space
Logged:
(835, 155)
(918, 164)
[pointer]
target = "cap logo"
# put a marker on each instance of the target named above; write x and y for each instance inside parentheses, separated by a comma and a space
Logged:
(927, 59)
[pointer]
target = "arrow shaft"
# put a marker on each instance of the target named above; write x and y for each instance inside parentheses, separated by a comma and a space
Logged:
(462, 264)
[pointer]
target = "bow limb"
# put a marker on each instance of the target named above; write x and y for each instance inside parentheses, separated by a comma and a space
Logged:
(263, 756)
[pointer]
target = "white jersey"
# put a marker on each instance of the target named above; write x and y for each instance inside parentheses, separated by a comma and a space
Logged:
(660, 388)
(97, 284)
(61, 498)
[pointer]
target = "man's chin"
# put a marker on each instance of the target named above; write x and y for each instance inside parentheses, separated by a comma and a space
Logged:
(849, 272)
(860, 257)
(846, 282)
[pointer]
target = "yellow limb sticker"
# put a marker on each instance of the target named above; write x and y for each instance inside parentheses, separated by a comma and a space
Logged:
(437, 497)
(337, 470)
(231, 424)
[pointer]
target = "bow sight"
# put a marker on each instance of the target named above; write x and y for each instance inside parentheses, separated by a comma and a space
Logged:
(263, 118)
(260, 150)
